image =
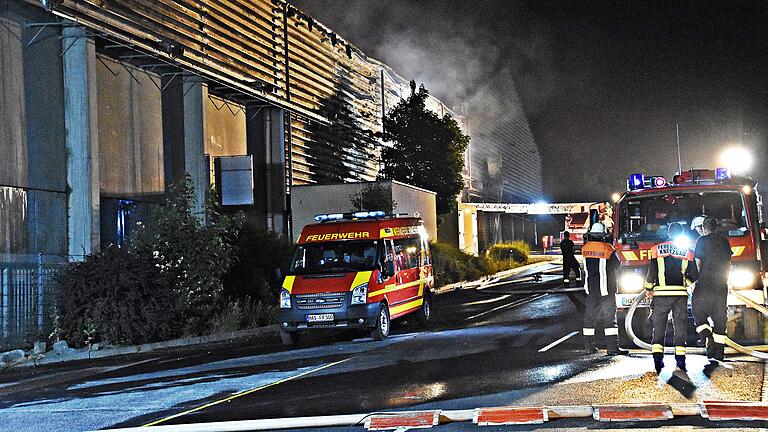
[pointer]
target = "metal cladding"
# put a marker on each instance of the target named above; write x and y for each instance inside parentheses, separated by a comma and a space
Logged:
(504, 160)
(255, 52)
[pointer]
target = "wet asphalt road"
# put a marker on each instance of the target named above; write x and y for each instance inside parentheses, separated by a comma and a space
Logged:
(482, 350)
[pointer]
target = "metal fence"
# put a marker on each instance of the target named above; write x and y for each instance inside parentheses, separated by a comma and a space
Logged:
(27, 297)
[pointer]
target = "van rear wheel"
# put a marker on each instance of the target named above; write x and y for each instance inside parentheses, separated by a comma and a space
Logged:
(381, 329)
(290, 338)
(425, 311)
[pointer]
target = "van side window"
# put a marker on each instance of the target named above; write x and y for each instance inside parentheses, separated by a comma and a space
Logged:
(408, 253)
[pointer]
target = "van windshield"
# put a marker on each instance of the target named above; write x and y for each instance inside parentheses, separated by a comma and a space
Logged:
(335, 257)
(647, 218)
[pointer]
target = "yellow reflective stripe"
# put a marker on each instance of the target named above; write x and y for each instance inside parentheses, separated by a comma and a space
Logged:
(588, 331)
(719, 338)
(288, 283)
(404, 307)
(611, 331)
(648, 285)
(662, 280)
(629, 255)
(393, 287)
(679, 350)
(737, 250)
(670, 293)
(385, 232)
(657, 348)
(360, 278)
(703, 327)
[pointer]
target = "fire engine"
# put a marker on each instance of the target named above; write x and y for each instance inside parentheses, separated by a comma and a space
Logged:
(357, 270)
(652, 203)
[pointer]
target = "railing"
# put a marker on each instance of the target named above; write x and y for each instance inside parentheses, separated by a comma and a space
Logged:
(27, 298)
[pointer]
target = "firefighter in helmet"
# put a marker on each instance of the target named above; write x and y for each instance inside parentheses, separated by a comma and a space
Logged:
(600, 267)
(671, 273)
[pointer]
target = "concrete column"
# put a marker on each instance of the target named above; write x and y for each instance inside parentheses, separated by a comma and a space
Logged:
(82, 141)
(184, 135)
(265, 134)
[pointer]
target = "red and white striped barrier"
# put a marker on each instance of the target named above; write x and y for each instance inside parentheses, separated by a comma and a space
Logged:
(496, 416)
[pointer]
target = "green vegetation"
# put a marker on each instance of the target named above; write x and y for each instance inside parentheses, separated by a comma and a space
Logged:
(426, 150)
(450, 265)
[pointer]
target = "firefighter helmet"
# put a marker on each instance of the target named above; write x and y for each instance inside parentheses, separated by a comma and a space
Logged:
(597, 228)
(697, 222)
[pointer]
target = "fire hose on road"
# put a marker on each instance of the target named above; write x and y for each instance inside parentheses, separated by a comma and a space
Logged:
(750, 351)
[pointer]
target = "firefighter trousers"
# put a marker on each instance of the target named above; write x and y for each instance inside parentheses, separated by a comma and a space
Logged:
(568, 265)
(601, 308)
(661, 306)
(708, 303)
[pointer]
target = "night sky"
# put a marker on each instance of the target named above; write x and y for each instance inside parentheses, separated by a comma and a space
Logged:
(603, 84)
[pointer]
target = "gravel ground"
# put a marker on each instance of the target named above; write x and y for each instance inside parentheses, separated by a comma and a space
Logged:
(631, 379)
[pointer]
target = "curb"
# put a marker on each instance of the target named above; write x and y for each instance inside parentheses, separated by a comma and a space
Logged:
(496, 416)
(85, 354)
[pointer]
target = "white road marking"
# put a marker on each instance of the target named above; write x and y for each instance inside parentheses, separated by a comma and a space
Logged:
(510, 305)
(559, 341)
(492, 300)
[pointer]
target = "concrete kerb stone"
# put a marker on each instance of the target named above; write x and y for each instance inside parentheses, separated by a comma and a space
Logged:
(70, 354)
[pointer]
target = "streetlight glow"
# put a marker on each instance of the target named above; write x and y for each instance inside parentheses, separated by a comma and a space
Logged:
(737, 159)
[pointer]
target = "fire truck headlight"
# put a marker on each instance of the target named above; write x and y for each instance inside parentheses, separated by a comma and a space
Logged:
(631, 283)
(360, 294)
(741, 278)
(285, 299)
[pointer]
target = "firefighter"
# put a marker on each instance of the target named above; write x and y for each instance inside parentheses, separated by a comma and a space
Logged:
(569, 260)
(670, 274)
(710, 294)
(600, 266)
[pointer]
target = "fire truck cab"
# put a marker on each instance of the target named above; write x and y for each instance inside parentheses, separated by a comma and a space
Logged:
(357, 270)
(651, 204)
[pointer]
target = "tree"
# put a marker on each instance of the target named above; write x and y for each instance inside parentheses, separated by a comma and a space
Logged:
(426, 150)
(372, 197)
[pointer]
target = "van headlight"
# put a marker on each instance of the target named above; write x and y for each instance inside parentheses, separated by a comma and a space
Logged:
(360, 294)
(285, 299)
(631, 283)
(740, 278)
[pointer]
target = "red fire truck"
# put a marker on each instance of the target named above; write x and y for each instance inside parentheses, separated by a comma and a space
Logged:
(651, 204)
(357, 270)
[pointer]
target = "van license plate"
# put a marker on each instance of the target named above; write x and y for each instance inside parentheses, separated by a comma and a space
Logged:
(319, 317)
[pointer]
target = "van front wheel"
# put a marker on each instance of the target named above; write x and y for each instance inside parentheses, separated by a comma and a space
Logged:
(381, 329)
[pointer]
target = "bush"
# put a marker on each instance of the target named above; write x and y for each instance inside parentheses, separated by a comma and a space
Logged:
(517, 251)
(244, 314)
(449, 265)
(193, 253)
(115, 296)
(252, 275)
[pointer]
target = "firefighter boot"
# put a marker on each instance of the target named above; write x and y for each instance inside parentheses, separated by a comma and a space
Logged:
(612, 343)
(589, 345)
(680, 360)
(658, 362)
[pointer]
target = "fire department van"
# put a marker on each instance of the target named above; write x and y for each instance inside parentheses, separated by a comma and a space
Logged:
(357, 270)
(651, 204)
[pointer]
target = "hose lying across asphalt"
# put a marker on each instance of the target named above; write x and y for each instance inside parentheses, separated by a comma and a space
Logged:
(750, 351)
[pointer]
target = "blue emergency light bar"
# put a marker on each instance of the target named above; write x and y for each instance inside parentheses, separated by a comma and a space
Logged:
(722, 174)
(636, 181)
(341, 216)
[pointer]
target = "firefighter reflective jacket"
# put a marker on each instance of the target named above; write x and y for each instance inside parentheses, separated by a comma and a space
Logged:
(671, 272)
(600, 267)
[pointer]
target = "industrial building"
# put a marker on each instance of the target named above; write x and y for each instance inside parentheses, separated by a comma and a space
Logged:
(104, 105)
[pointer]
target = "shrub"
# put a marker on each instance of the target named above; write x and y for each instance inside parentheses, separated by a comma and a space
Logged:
(252, 276)
(449, 264)
(115, 296)
(244, 314)
(193, 253)
(517, 250)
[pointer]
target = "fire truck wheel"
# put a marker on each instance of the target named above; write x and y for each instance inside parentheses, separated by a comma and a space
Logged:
(290, 338)
(425, 311)
(381, 330)
(752, 324)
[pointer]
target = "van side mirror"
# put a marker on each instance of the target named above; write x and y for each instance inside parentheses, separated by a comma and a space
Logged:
(389, 269)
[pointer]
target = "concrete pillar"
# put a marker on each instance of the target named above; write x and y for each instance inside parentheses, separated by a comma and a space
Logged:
(265, 132)
(183, 110)
(82, 141)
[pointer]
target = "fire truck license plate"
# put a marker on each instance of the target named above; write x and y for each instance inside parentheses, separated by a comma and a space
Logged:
(319, 317)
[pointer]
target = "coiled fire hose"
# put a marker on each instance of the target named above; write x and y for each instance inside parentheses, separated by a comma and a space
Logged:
(750, 351)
